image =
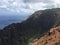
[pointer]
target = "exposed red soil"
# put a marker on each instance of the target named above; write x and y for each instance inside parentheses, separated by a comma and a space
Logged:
(51, 38)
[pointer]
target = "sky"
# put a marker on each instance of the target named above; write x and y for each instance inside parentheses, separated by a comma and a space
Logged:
(26, 6)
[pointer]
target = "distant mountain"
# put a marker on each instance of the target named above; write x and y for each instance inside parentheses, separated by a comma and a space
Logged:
(9, 19)
(35, 26)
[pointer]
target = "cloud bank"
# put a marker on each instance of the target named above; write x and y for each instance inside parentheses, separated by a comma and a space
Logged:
(27, 6)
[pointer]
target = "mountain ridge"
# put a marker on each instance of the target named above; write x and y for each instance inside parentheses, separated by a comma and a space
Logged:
(36, 25)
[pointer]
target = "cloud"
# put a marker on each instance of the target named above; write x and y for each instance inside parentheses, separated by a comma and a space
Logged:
(31, 1)
(27, 6)
(36, 1)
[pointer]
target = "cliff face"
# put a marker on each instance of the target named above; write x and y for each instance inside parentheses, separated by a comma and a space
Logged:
(51, 38)
(36, 25)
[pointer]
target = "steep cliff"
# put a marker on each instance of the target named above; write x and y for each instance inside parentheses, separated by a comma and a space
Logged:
(34, 27)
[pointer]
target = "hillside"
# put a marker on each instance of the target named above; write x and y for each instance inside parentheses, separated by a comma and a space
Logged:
(50, 38)
(34, 27)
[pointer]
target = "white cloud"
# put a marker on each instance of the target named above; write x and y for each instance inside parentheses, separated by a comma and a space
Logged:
(3, 6)
(25, 6)
(57, 1)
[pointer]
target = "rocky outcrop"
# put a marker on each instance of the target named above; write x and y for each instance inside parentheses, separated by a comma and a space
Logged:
(51, 38)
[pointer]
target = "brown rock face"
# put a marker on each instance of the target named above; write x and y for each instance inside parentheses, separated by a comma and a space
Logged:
(51, 38)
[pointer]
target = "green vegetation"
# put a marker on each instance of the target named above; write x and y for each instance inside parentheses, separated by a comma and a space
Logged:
(30, 40)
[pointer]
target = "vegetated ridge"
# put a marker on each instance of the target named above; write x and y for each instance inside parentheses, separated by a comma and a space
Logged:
(35, 27)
